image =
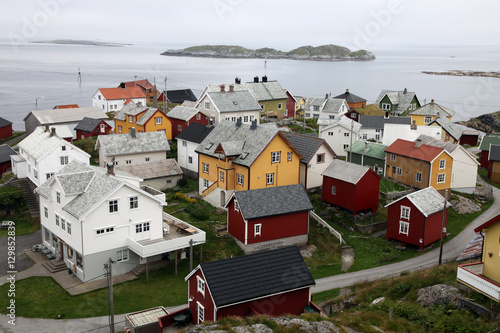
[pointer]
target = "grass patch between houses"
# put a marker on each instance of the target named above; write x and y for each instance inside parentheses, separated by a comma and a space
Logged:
(25, 224)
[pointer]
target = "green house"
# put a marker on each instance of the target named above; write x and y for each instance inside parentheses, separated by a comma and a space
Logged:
(398, 103)
(369, 154)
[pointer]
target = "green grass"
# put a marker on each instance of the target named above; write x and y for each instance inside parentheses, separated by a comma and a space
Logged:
(484, 175)
(387, 186)
(325, 295)
(25, 224)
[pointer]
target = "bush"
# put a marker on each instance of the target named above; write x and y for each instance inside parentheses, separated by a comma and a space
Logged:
(182, 182)
(182, 196)
(197, 212)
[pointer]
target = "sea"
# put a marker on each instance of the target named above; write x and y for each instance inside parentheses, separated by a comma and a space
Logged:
(40, 76)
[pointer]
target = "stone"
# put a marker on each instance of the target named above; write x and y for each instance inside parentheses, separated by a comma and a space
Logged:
(439, 294)
(378, 300)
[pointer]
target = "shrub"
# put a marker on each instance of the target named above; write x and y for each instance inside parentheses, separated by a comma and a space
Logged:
(197, 212)
(183, 197)
(182, 182)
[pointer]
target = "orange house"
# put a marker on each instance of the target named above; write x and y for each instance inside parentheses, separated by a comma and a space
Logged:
(143, 119)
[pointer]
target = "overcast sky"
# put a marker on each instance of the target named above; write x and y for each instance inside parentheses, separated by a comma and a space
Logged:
(368, 24)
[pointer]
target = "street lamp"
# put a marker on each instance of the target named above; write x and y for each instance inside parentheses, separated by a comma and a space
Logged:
(36, 102)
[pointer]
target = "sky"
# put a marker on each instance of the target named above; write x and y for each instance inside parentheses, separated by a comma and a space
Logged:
(357, 24)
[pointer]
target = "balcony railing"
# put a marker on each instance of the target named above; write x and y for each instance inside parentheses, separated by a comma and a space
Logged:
(471, 275)
(154, 192)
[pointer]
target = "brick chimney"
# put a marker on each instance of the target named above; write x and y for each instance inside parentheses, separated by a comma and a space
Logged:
(254, 124)
(222, 88)
(52, 131)
(231, 88)
(111, 169)
(46, 128)
(413, 126)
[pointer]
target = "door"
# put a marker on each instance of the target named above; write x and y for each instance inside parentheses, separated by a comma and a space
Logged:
(142, 231)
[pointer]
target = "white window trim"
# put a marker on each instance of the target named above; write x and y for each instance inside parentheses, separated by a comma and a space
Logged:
(200, 285)
(205, 166)
(122, 251)
(405, 216)
(117, 206)
(404, 225)
(444, 178)
(399, 171)
(276, 157)
(158, 120)
(236, 205)
(444, 164)
(257, 229)
(269, 176)
(393, 157)
(200, 320)
(129, 202)
(290, 154)
(239, 177)
(105, 230)
(334, 190)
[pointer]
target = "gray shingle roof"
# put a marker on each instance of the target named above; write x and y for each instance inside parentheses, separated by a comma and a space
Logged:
(155, 169)
(182, 113)
(227, 131)
(350, 98)
(124, 144)
(452, 129)
(430, 141)
(256, 275)
(327, 105)
(237, 101)
(5, 153)
(401, 99)
(130, 109)
(428, 201)
(378, 122)
(148, 114)
(88, 124)
(58, 116)
(273, 201)
(261, 91)
(195, 132)
(433, 109)
(494, 153)
(345, 171)
(306, 145)
(326, 124)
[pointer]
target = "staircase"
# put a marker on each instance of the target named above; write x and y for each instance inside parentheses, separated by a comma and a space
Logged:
(54, 266)
(29, 195)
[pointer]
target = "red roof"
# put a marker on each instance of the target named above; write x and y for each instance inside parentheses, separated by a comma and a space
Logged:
(407, 148)
(123, 93)
(487, 224)
(67, 106)
(143, 83)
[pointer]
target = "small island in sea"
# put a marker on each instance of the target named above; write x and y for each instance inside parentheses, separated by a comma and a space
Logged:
(319, 53)
(465, 73)
(81, 42)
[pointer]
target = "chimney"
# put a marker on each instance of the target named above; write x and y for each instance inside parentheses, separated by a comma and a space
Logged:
(46, 127)
(254, 124)
(222, 88)
(52, 131)
(366, 146)
(256, 79)
(432, 100)
(264, 78)
(231, 88)
(405, 91)
(413, 126)
(347, 91)
(237, 80)
(122, 85)
(438, 115)
(132, 133)
(238, 122)
(326, 96)
(111, 169)
(418, 143)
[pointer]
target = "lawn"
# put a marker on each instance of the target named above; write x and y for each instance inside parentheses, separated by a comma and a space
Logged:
(25, 224)
(386, 186)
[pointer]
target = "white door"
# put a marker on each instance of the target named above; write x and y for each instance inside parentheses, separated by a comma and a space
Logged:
(142, 231)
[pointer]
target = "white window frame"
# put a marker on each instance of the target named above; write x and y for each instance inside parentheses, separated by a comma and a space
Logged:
(130, 119)
(158, 120)
(257, 229)
(239, 179)
(405, 212)
(320, 158)
(48, 175)
(128, 161)
(280, 106)
(236, 205)
(418, 177)
(115, 204)
(120, 128)
(316, 108)
(200, 283)
(221, 178)
(399, 171)
(63, 223)
(105, 230)
(205, 167)
(346, 134)
(198, 116)
(68, 227)
(58, 197)
(63, 148)
(64, 160)
(443, 176)
(201, 312)
(206, 183)
(190, 159)
(122, 255)
(270, 179)
(386, 106)
(207, 105)
(134, 202)
(275, 156)
(346, 146)
(393, 157)
(103, 128)
(404, 227)
(46, 212)
(427, 119)
(442, 164)
(290, 154)
(179, 127)
(57, 220)
(184, 143)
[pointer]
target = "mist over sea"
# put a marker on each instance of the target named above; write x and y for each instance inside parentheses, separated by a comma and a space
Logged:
(29, 71)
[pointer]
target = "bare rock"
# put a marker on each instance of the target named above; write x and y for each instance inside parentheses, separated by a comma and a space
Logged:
(439, 294)
(464, 205)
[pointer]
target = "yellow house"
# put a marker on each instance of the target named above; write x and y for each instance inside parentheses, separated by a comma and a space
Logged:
(239, 157)
(300, 104)
(484, 277)
(143, 119)
(426, 114)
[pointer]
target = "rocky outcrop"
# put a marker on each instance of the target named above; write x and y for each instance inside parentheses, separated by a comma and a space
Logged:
(489, 123)
(465, 73)
(439, 294)
(320, 53)
(464, 205)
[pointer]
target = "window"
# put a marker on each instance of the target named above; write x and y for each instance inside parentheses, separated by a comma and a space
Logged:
(205, 168)
(427, 120)
(365, 136)
(201, 285)
(190, 159)
(239, 179)
(399, 171)
(290, 156)
(46, 212)
(441, 178)
(115, 162)
(104, 230)
(386, 107)
(353, 115)
(280, 106)
(128, 162)
(330, 133)
(316, 108)
(198, 116)
(270, 178)
(346, 146)
(134, 202)
(184, 143)
(404, 227)
(130, 119)
(308, 115)
(377, 137)
(179, 127)
(257, 229)
(207, 105)
(201, 313)
(58, 197)
(113, 206)
(63, 148)
(377, 130)
(63, 224)
(48, 175)
(69, 228)
(35, 174)
(119, 128)
(206, 184)
(245, 118)
(147, 159)
(103, 128)
(405, 212)
(331, 117)
(334, 190)
(57, 219)
(320, 158)
(275, 156)
(122, 255)
(346, 134)
(141, 227)
(418, 177)
(157, 120)
(393, 157)
(221, 176)
(64, 160)
(442, 164)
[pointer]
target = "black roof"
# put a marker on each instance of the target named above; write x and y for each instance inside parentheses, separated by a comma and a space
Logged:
(256, 275)
(273, 201)
(5, 152)
(350, 98)
(307, 145)
(379, 121)
(181, 95)
(87, 124)
(195, 132)
(494, 153)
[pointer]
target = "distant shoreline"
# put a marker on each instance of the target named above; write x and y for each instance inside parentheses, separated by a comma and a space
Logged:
(81, 42)
(465, 73)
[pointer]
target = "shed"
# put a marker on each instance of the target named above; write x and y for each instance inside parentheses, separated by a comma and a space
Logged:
(145, 321)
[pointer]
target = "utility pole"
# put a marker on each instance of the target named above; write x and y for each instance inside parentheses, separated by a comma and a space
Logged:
(191, 255)
(165, 96)
(111, 305)
(442, 227)
(350, 144)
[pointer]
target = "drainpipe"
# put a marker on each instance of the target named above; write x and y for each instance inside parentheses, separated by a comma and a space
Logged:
(482, 248)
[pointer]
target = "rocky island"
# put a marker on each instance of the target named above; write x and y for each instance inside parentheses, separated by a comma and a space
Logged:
(465, 73)
(81, 42)
(319, 53)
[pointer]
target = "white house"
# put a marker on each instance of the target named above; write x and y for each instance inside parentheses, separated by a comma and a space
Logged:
(464, 172)
(43, 153)
(187, 142)
(372, 127)
(392, 132)
(90, 215)
(230, 105)
(114, 99)
(132, 148)
(339, 133)
(317, 156)
(326, 108)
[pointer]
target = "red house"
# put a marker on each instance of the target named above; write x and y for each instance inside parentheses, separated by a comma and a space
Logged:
(269, 217)
(182, 116)
(486, 142)
(351, 186)
(290, 106)
(89, 127)
(469, 137)
(5, 161)
(417, 218)
(274, 283)
(5, 128)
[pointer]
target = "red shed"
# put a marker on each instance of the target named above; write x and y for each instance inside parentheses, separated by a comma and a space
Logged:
(5, 128)
(351, 186)
(269, 217)
(290, 106)
(486, 142)
(90, 127)
(417, 218)
(274, 283)
(182, 116)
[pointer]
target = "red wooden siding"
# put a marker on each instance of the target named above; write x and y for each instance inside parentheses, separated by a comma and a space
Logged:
(6, 132)
(290, 106)
(204, 120)
(279, 226)
(485, 163)
(235, 223)
(205, 301)
(469, 139)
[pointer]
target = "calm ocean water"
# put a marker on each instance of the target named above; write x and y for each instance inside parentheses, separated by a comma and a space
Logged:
(34, 70)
